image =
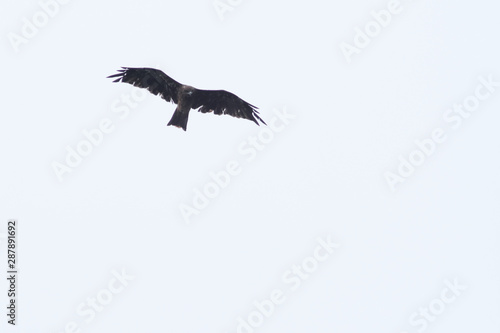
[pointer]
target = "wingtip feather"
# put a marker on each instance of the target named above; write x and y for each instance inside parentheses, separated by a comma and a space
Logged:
(114, 75)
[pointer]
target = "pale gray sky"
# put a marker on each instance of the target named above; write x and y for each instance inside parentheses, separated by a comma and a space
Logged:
(383, 136)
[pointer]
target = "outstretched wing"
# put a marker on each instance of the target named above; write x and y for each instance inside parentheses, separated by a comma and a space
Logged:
(154, 80)
(224, 102)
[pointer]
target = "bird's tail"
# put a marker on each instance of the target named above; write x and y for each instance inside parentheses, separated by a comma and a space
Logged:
(179, 119)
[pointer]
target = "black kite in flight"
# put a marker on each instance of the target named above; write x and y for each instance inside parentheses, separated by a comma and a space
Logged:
(187, 97)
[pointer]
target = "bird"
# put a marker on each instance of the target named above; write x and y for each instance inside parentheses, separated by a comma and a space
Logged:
(187, 97)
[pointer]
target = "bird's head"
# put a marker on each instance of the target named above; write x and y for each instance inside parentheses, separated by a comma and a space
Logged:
(187, 90)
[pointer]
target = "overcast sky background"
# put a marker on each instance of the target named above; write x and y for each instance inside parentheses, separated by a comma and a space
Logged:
(321, 175)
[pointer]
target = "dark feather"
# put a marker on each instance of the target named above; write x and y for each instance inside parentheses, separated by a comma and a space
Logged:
(223, 102)
(154, 80)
